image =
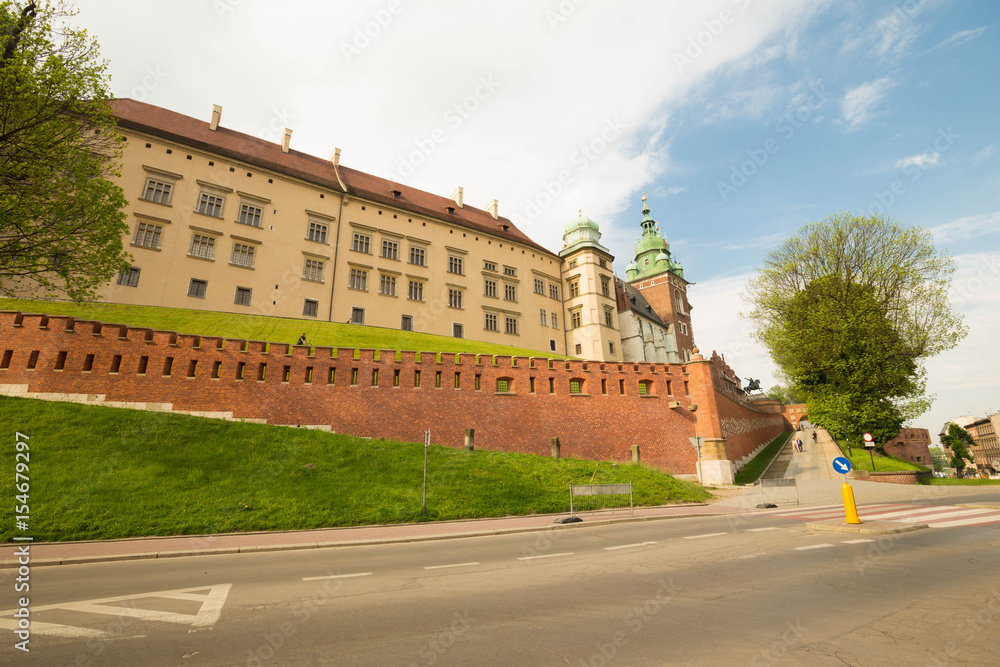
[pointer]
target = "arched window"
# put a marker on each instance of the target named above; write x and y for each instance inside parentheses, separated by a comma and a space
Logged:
(679, 305)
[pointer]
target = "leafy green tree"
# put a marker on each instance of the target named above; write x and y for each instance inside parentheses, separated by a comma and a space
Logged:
(958, 440)
(849, 308)
(785, 394)
(61, 215)
(939, 458)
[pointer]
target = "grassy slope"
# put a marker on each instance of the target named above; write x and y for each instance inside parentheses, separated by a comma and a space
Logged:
(861, 459)
(101, 472)
(257, 327)
(756, 466)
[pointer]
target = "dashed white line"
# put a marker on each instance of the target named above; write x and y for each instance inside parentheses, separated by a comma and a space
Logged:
(757, 530)
(337, 576)
(813, 546)
(629, 546)
(441, 567)
(568, 553)
(762, 553)
(861, 541)
(698, 537)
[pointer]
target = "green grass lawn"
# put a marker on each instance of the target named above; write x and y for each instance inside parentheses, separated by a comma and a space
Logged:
(101, 473)
(756, 466)
(861, 459)
(271, 329)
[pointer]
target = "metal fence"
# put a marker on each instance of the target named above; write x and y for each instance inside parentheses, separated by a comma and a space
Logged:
(778, 492)
(610, 498)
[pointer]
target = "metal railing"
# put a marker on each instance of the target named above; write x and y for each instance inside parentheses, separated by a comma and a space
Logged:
(592, 498)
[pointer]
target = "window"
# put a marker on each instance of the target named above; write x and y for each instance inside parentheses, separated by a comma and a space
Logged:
(407, 323)
(457, 331)
(313, 270)
(415, 291)
(555, 320)
(202, 246)
(575, 320)
(242, 255)
(129, 277)
(211, 205)
(491, 322)
(454, 298)
(510, 325)
(579, 349)
(576, 386)
(362, 243)
(572, 263)
(418, 256)
(390, 249)
(605, 286)
(684, 328)
(539, 286)
(574, 289)
(645, 387)
(317, 232)
(552, 345)
(456, 265)
(157, 192)
(608, 318)
(358, 280)
(678, 302)
(504, 385)
(387, 285)
(147, 235)
(243, 296)
(250, 215)
(357, 316)
(489, 266)
(510, 271)
(490, 288)
(611, 347)
(543, 317)
(197, 288)
(510, 292)
(553, 291)
(310, 308)
(603, 263)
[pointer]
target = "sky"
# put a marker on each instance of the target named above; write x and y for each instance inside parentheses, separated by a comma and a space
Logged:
(741, 121)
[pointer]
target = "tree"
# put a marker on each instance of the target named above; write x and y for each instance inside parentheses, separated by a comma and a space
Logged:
(958, 440)
(61, 216)
(939, 458)
(784, 393)
(849, 308)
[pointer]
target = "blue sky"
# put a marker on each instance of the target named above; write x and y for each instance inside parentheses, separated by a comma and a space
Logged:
(742, 120)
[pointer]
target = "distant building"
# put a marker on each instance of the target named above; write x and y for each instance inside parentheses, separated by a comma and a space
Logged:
(913, 445)
(986, 451)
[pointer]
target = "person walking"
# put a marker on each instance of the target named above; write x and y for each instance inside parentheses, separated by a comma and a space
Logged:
(302, 340)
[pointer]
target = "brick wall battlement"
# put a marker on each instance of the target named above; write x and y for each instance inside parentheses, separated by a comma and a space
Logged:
(597, 409)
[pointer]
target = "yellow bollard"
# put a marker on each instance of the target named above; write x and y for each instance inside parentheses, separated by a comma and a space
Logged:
(850, 509)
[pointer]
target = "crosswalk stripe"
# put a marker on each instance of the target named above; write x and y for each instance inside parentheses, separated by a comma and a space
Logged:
(967, 522)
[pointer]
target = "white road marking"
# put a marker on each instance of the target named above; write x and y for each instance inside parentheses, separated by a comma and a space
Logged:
(757, 530)
(752, 555)
(568, 553)
(337, 576)
(966, 522)
(629, 546)
(698, 537)
(813, 546)
(212, 599)
(861, 541)
(441, 567)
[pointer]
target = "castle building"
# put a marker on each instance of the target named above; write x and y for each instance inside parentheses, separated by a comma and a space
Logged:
(224, 221)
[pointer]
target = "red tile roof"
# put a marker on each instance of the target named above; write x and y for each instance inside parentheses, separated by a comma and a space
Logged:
(252, 150)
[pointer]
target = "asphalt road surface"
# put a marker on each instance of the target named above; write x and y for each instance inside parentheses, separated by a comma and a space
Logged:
(757, 589)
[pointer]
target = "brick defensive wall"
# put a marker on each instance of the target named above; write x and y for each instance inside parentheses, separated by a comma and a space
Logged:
(515, 404)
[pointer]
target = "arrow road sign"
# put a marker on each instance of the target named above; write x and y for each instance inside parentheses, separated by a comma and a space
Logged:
(842, 465)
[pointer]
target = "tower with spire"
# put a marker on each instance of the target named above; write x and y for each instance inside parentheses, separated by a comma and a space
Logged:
(660, 279)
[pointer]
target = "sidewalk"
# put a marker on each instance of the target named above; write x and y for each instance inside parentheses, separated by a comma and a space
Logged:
(94, 551)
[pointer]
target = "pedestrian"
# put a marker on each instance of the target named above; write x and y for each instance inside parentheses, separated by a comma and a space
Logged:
(302, 340)
(814, 435)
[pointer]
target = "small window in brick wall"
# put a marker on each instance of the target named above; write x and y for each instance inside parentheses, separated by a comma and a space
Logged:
(504, 385)
(576, 386)
(645, 387)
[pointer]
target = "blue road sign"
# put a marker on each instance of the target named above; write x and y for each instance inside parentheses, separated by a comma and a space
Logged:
(842, 465)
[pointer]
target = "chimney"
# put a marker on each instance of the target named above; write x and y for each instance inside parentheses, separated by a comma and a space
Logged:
(286, 138)
(457, 196)
(335, 157)
(216, 117)
(493, 208)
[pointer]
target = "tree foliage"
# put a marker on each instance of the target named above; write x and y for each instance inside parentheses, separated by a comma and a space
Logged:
(61, 215)
(848, 308)
(958, 440)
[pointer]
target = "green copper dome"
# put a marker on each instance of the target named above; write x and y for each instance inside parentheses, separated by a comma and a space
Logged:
(652, 252)
(580, 221)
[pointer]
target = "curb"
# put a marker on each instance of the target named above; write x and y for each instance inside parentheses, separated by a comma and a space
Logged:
(875, 527)
(261, 548)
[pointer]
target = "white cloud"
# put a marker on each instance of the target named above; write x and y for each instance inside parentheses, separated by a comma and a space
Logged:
(859, 104)
(898, 27)
(961, 37)
(921, 160)
(986, 153)
(967, 228)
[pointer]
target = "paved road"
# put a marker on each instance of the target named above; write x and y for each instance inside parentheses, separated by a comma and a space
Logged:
(747, 588)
